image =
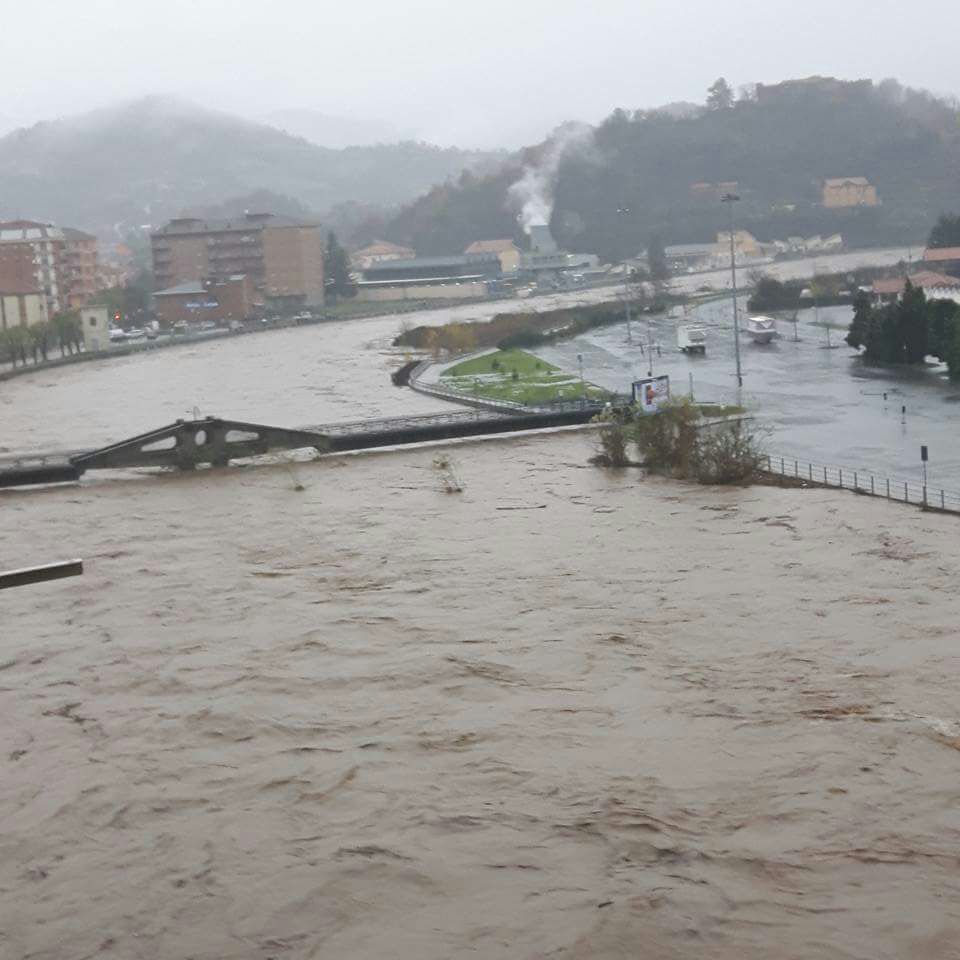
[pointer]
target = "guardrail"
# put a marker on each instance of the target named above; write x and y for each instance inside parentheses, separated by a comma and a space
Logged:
(866, 483)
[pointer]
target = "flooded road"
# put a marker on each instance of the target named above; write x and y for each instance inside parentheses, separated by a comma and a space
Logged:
(815, 402)
(294, 377)
(568, 713)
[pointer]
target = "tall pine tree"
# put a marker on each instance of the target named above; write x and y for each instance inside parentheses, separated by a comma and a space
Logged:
(336, 267)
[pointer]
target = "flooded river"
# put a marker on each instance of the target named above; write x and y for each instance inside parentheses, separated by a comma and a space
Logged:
(328, 710)
(568, 713)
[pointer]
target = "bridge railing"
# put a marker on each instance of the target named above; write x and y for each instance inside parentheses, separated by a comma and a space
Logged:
(865, 482)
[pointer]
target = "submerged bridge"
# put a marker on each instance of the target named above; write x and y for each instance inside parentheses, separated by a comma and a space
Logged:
(211, 441)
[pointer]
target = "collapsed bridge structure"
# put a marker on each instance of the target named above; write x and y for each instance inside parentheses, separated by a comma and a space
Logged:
(212, 441)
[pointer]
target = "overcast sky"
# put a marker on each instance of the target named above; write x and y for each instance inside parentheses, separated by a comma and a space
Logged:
(486, 72)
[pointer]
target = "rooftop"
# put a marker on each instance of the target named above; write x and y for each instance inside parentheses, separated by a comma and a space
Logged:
(193, 286)
(926, 279)
(18, 231)
(252, 221)
(941, 254)
(842, 181)
(419, 263)
(491, 246)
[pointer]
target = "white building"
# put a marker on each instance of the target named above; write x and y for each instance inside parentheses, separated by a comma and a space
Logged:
(96, 329)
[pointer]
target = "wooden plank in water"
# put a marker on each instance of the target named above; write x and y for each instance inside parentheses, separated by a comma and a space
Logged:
(49, 571)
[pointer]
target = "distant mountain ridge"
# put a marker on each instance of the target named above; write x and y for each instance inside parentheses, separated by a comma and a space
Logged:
(146, 161)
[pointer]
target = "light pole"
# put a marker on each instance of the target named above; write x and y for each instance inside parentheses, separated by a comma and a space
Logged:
(583, 384)
(626, 282)
(730, 199)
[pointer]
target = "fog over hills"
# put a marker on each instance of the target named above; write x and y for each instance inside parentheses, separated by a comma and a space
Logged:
(652, 173)
(145, 161)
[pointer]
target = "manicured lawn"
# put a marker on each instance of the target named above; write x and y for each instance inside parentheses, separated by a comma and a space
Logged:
(517, 376)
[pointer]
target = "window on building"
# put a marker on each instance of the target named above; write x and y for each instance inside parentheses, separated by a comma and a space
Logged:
(93, 321)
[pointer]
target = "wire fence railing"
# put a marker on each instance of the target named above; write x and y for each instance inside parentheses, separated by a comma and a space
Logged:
(865, 482)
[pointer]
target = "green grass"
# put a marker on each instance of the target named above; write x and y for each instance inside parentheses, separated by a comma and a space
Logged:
(492, 377)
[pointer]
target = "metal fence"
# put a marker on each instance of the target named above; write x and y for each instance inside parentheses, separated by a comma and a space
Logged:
(865, 482)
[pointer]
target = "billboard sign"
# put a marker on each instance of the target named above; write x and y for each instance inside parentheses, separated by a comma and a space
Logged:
(651, 393)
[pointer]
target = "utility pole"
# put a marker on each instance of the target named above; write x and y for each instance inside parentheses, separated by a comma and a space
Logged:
(626, 298)
(730, 199)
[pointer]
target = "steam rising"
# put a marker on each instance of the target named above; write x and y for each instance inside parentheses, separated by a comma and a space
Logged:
(532, 194)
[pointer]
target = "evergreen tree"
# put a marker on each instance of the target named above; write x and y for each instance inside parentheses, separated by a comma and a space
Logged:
(336, 266)
(657, 261)
(946, 232)
(863, 316)
(719, 95)
(943, 316)
(912, 325)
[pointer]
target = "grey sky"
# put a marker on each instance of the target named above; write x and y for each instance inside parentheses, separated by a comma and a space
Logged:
(477, 73)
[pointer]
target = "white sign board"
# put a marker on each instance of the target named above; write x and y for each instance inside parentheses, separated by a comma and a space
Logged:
(651, 393)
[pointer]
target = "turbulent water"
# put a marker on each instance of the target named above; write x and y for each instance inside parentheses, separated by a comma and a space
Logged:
(564, 713)
(330, 710)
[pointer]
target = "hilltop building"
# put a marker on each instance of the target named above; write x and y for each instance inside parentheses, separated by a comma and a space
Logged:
(792, 91)
(282, 256)
(713, 191)
(379, 251)
(841, 192)
(506, 250)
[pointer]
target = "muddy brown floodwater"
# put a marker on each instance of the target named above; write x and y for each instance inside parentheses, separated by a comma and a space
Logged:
(567, 713)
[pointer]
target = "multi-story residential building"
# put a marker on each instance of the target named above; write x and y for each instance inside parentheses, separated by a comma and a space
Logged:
(32, 260)
(21, 308)
(282, 256)
(82, 268)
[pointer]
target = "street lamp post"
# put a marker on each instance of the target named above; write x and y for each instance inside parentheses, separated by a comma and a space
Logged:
(730, 199)
(583, 384)
(626, 282)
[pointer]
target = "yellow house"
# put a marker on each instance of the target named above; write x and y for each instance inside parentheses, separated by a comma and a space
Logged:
(849, 192)
(506, 250)
(22, 310)
(744, 243)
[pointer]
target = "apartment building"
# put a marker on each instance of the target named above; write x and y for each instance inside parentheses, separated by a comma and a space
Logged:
(32, 260)
(81, 267)
(281, 255)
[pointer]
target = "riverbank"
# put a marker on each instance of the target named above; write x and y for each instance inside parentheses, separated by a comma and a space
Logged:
(290, 733)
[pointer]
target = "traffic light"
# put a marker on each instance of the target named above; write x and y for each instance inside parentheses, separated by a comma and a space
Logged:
(116, 318)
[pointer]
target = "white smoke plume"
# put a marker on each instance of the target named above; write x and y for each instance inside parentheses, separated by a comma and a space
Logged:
(532, 195)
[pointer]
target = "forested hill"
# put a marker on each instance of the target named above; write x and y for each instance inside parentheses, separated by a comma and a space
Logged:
(778, 144)
(146, 161)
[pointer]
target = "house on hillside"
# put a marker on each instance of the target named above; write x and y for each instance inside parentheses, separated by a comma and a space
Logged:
(713, 191)
(507, 251)
(842, 192)
(937, 286)
(943, 258)
(694, 257)
(378, 252)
